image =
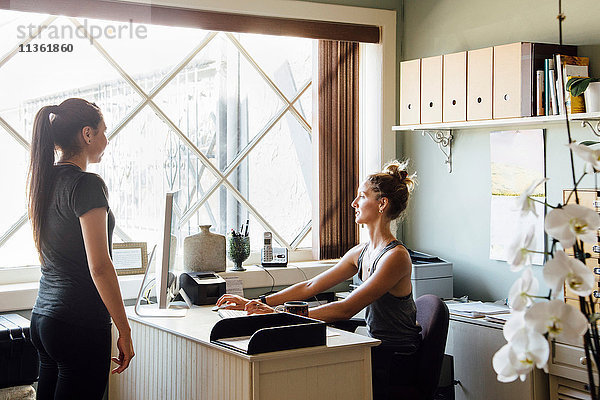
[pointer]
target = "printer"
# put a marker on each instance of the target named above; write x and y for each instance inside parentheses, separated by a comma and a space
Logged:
(202, 287)
(430, 275)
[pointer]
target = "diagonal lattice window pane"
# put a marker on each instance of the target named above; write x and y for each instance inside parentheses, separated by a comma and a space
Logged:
(142, 163)
(219, 103)
(293, 60)
(19, 249)
(151, 53)
(279, 173)
(51, 76)
(13, 164)
(223, 91)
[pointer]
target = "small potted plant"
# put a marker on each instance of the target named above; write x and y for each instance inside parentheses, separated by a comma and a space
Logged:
(590, 87)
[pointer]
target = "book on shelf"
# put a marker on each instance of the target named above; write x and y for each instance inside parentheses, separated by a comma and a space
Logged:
(540, 93)
(540, 52)
(553, 95)
(567, 66)
(548, 65)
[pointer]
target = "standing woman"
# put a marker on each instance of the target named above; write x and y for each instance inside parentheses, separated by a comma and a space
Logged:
(72, 229)
(384, 266)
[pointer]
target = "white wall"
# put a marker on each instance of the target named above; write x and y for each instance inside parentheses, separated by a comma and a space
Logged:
(449, 215)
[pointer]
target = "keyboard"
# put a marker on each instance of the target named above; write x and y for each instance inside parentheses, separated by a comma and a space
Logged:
(225, 313)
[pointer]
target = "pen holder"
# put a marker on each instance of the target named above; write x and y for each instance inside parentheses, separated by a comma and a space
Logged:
(238, 250)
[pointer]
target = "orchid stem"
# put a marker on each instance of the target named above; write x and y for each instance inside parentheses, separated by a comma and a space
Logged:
(541, 202)
(575, 188)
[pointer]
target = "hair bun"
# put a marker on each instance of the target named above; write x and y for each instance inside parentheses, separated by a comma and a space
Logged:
(396, 169)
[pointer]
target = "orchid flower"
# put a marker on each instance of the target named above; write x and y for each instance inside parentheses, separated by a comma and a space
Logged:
(590, 156)
(563, 269)
(519, 296)
(518, 253)
(572, 222)
(526, 349)
(557, 319)
(524, 202)
(514, 324)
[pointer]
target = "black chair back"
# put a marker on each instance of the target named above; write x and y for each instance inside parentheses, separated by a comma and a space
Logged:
(433, 316)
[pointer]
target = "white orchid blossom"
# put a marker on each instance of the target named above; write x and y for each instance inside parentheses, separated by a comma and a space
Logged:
(590, 156)
(563, 269)
(526, 349)
(572, 222)
(556, 318)
(518, 253)
(514, 324)
(519, 296)
(524, 202)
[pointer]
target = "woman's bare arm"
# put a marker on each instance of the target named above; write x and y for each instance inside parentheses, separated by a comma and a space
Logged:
(95, 238)
(391, 269)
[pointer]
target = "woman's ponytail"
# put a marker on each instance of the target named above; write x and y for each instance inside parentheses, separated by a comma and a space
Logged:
(41, 160)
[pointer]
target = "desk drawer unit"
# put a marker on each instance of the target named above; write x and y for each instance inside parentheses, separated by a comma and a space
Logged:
(472, 343)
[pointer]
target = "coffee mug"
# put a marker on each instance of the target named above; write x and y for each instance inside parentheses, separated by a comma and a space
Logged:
(296, 307)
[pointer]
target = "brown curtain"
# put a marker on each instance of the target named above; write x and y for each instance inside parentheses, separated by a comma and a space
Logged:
(338, 146)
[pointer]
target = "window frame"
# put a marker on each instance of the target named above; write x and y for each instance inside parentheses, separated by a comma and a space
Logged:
(378, 100)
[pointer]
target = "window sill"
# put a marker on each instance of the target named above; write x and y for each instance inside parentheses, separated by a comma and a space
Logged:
(21, 296)
(256, 277)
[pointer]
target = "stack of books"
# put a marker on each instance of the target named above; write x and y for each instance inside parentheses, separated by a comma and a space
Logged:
(551, 100)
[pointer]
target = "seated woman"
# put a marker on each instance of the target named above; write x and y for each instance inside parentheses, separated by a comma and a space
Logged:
(384, 267)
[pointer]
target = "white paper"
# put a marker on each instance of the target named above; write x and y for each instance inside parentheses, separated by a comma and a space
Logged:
(517, 160)
(234, 285)
(477, 309)
(241, 342)
(127, 258)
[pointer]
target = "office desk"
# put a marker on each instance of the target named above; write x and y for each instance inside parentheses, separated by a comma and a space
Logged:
(175, 360)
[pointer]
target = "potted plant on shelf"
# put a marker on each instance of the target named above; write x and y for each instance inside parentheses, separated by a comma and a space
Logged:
(590, 88)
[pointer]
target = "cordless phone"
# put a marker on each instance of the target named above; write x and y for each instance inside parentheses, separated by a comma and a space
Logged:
(273, 256)
(268, 248)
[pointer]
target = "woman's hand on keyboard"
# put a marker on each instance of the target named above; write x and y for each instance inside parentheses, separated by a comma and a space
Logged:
(258, 307)
(235, 302)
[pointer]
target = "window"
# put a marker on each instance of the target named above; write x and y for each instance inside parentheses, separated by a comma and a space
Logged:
(225, 117)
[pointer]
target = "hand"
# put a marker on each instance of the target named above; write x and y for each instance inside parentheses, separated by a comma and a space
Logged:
(258, 307)
(125, 346)
(235, 302)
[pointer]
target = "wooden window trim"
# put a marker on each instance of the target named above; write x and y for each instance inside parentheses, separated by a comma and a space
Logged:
(202, 19)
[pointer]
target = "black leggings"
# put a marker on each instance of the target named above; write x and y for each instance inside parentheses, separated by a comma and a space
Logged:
(390, 369)
(74, 361)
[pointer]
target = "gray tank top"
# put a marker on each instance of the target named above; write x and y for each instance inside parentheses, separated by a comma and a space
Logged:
(391, 319)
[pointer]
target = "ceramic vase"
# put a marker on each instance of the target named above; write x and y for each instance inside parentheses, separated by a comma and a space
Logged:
(204, 251)
(592, 97)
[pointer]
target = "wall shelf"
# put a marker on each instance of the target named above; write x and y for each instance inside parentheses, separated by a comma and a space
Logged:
(497, 123)
(442, 134)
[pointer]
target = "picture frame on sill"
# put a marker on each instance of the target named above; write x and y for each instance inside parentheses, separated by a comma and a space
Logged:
(130, 258)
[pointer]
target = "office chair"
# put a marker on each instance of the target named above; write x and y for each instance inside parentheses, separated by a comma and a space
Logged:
(433, 316)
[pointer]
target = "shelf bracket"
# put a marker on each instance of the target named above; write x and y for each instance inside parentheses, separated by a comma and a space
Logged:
(443, 138)
(592, 123)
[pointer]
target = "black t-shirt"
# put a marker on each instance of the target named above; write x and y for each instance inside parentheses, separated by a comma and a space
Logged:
(67, 291)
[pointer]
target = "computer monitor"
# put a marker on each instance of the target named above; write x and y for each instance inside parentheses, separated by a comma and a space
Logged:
(168, 253)
(164, 265)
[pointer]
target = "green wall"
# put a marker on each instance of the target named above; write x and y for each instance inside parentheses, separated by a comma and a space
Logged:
(449, 214)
